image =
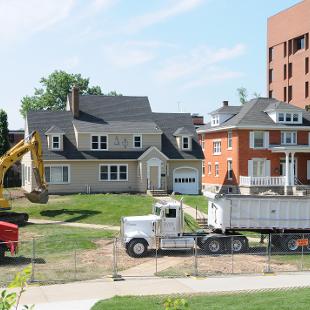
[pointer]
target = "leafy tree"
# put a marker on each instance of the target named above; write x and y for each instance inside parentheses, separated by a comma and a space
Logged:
(243, 94)
(113, 93)
(52, 95)
(4, 133)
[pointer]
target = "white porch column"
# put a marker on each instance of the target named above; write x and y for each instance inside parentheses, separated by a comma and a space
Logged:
(292, 170)
(287, 181)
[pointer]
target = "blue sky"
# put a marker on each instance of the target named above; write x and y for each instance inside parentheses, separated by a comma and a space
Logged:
(186, 55)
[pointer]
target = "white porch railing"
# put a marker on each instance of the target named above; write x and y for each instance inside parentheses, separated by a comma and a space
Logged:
(262, 181)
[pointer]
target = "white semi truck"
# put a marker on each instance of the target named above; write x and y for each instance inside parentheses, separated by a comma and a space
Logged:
(228, 215)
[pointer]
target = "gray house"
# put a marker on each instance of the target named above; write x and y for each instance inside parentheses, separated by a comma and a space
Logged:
(115, 144)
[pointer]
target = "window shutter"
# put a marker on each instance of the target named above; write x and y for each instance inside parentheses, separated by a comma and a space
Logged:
(267, 168)
(266, 139)
(250, 168)
(308, 169)
(252, 139)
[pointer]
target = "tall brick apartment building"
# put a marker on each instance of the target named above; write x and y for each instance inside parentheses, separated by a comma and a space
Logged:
(288, 55)
(261, 145)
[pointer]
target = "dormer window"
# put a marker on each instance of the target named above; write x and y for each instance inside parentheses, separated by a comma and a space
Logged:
(185, 143)
(288, 117)
(137, 142)
(281, 117)
(99, 142)
(215, 120)
(55, 142)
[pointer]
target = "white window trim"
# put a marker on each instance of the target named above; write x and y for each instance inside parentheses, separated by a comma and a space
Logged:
(229, 147)
(109, 173)
(218, 165)
(188, 143)
(265, 140)
(209, 165)
(52, 142)
(291, 132)
(217, 141)
(133, 141)
(229, 159)
(59, 183)
(299, 121)
(99, 135)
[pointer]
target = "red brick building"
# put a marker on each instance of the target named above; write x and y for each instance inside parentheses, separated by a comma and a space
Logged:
(288, 55)
(261, 145)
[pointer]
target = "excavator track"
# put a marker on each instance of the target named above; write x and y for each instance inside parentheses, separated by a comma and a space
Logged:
(19, 219)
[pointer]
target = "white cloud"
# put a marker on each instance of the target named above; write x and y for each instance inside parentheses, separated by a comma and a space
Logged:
(103, 4)
(71, 62)
(178, 7)
(22, 18)
(213, 77)
(197, 60)
(132, 53)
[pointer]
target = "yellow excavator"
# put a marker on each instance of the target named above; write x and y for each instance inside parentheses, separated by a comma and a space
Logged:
(33, 144)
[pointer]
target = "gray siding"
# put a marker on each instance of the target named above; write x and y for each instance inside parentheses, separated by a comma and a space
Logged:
(83, 173)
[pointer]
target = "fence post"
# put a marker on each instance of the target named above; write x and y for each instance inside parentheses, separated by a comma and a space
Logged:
(268, 267)
(75, 262)
(302, 255)
(33, 258)
(115, 276)
(195, 258)
(232, 254)
(156, 254)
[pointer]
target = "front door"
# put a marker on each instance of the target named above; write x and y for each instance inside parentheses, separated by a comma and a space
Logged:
(154, 177)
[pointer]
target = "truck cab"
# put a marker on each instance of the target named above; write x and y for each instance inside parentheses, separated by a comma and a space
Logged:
(138, 232)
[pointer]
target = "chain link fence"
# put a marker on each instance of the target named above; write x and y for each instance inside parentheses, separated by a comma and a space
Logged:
(69, 259)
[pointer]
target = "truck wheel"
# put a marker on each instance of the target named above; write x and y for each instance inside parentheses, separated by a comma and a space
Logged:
(213, 245)
(289, 244)
(137, 248)
(239, 244)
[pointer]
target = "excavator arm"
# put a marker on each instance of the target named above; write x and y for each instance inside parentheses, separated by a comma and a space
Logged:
(32, 144)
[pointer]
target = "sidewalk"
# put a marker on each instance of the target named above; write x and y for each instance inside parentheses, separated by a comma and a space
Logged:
(187, 209)
(81, 295)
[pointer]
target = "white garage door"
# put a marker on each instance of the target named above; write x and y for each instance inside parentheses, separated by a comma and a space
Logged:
(185, 181)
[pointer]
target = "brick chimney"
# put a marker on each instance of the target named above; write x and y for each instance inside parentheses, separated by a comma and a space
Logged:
(225, 103)
(75, 105)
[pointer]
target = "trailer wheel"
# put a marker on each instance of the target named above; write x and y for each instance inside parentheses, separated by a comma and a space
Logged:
(289, 244)
(213, 245)
(137, 248)
(239, 244)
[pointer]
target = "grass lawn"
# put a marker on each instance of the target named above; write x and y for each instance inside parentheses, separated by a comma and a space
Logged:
(195, 200)
(94, 209)
(298, 299)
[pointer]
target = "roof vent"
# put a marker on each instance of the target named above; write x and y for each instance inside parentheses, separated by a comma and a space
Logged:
(225, 103)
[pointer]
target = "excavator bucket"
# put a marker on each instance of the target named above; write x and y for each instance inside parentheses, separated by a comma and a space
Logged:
(38, 196)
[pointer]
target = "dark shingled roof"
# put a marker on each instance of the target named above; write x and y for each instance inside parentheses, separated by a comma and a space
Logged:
(253, 113)
(121, 114)
(227, 109)
(182, 132)
(54, 129)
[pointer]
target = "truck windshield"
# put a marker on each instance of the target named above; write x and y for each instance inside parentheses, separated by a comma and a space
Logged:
(157, 211)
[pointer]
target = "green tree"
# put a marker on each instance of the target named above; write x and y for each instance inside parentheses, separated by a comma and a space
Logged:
(4, 132)
(113, 93)
(54, 90)
(243, 94)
